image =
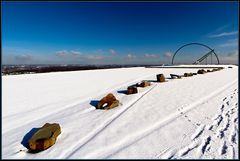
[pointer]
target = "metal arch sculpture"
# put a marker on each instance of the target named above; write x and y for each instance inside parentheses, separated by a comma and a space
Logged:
(195, 44)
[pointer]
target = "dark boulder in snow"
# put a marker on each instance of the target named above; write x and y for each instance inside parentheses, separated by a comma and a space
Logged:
(160, 78)
(143, 84)
(132, 90)
(108, 102)
(201, 71)
(45, 137)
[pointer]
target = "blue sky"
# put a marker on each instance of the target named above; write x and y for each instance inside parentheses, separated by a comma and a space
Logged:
(116, 32)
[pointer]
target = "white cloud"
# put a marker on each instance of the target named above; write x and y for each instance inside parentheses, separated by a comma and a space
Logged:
(75, 52)
(113, 52)
(131, 56)
(67, 53)
(151, 56)
(230, 58)
(233, 54)
(223, 27)
(230, 43)
(61, 53)
(224, 34)
(168, 54)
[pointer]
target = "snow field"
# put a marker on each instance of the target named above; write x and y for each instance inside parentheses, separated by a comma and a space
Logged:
(193, 117)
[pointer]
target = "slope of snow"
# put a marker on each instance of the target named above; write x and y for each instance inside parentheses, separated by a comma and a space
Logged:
(193, 117)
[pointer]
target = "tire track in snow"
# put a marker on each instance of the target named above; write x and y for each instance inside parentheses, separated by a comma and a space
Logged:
(198, 132)
(169, 154)
(139, 135)
(93, 134)
(158, 155)
(62, 109)
(184, 151)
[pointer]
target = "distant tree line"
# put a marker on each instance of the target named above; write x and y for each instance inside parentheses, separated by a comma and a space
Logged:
(13, 70)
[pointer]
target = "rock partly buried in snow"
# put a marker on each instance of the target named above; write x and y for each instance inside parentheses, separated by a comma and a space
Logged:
(188, 74)
(160, 78)
(132, 90)
(201, 71)
(110, 101)
(45, 137)
(217, 69)
(175, 76)
(214, 69)
(143, 84)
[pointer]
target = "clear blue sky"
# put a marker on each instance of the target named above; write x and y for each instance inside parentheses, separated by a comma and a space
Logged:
(116, 32)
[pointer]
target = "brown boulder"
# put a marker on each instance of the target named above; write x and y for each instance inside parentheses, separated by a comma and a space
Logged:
(175, 76)
(108, 102)
(160, 78)
(188, 74)
(209, 70)
(132, 90)
(45, 137)
(143, 84)
(214, 69)
(201, 71)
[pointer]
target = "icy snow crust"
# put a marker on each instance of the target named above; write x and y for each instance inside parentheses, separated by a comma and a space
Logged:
(193, 117)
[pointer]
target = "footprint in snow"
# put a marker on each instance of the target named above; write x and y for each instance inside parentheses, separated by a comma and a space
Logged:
(233, 135)
(198, 124)
(222, 108)
(223, 149)
(217, 121)
(205, 144)
(235, 120)
(226, 126)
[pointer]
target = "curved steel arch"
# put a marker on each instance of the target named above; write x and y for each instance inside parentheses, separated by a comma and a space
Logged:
(195, 44)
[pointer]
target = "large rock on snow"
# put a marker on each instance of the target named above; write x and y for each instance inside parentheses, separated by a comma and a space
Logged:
(201, 71)
(108, 102)
(160, 78)
(143, 84)
(45, 137)
(188, 74)
(132, 90)
(175, 76)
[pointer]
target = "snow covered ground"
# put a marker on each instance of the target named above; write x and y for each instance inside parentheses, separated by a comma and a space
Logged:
(193, 117)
